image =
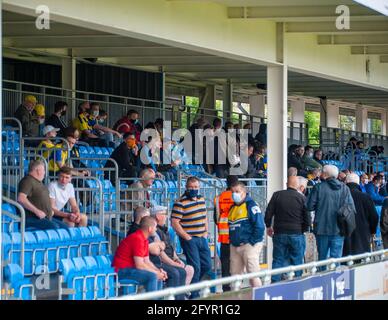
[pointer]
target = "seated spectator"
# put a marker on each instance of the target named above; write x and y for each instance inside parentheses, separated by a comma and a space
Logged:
(261, 160)
(101, 131)
(176, 273)
(129, 123)
(140, 195)
(49, 132)
(138, 214)
(294, 158)
(131, 260)
(85, 128)
(248, 127)
(363, 182)
(62, 192)
(373, 187)
(262, 134)
(318, 156)
(72, 136)
(170, 256)
(34, 197)
(308, 162)
(26, 114)
(40, 113)
(126, 156)
(56, 120)
(252, 171)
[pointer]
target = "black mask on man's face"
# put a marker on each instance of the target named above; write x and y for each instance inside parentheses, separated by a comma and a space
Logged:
(63, 113)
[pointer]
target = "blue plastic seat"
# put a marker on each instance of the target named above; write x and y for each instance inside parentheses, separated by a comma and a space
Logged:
(23, 288)
(53, 251)
(65, 244)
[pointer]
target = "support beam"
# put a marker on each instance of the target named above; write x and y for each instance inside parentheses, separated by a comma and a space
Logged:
(332, 116)
(369, 50)
(257, 108)
(384, 123)
(361, 119)
(207, 102)
(227, 100)
(297, 13)
(365, 27)
(298, 108)
(277, 129)
(69, 83)
(361, 39)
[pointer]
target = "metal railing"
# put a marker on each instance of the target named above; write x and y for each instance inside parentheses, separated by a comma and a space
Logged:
(237, 280)
(22, 220)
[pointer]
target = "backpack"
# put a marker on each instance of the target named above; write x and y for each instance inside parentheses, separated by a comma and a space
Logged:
(346, 219)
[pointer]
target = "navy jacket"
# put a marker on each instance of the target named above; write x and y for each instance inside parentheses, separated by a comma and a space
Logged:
(325, 199)
(374, 193)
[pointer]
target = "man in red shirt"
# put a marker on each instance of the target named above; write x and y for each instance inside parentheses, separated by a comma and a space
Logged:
(132, 261)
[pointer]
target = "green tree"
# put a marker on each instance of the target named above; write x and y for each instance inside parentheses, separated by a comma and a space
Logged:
(313, 120)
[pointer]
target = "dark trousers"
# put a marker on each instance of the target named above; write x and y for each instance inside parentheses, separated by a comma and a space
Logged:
(197, 254)
(44, 224)
(225, 264)
(176, 278)
(288, 249)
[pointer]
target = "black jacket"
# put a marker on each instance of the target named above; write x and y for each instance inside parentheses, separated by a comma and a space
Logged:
(288, 207)
(366, 222)
(294, 161)
(57, 122)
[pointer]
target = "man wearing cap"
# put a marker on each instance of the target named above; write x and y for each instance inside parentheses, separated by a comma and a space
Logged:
(222, 205)
(26, 115)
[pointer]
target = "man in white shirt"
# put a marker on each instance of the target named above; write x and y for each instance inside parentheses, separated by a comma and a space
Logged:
(61, 192)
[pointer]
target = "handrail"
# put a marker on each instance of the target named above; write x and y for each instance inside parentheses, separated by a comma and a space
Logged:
(22, 226)
(170, 293)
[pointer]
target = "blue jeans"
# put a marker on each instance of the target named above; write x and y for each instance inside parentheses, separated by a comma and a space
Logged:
(329, 247)
(288, 249)
(44, 224)
(146, 278)
(197, 254)
(176, 278)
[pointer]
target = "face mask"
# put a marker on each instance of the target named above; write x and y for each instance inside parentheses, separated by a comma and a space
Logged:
(310, 155)
(41, 121)
(192, 193)
(96, 113)
(134, 121)
(366, 181)
(101, 121)
(63, 113)
(236, 197)
(131, 143)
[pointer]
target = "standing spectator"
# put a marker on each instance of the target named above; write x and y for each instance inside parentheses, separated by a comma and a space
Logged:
(30, 122)
(129, 123)
(126, 156)
(287, 219)
(34, 197)
(373, 188)
(294, 158)
(308, 162)
(61, 192)
(170, 256)
(246, 232)
(292, 172)
(384, 224)
(56, 119)
(318, 156)
(189, 220)
(131, 260)
(363, 182)
(222, 205)
(140, 193)
(326, 199)
(40, 113)
(366, 219)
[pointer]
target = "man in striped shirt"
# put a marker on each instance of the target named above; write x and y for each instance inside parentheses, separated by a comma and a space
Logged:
(189, 220)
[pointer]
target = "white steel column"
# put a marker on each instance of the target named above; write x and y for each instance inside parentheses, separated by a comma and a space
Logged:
(227, 103)
(362, 119)
(257, 108)
(277, 129)
(332, 116)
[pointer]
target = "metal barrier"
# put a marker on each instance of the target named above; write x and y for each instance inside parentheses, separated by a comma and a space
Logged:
(22, 220)
(237, 280)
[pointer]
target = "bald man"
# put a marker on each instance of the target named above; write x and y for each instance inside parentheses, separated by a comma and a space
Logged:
(286, 219)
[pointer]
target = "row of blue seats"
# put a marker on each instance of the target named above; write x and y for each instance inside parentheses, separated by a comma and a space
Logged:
(95, 152)
(91, 278)
(19, 286)
(45, 249)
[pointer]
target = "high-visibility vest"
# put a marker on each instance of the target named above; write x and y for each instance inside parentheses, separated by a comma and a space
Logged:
(223, 203)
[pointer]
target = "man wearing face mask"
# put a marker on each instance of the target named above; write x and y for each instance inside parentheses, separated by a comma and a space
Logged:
(373, 188)
(308, 161)
(129, 123)
(27, 116)
(40, 113)
(189, 220)
(56, 119)
(287, 219)
(246, 233)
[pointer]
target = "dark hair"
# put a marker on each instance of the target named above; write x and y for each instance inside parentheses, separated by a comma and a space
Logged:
(230, 180)
(159, 121)
(359, 142)
(127, 134)
(102, 113)
(59, 105)
(239, 184)
(377, 178)
(308, 147)
(132, 112)
(191, 179)
(217, 122)
(94, 104)
(65, 170)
